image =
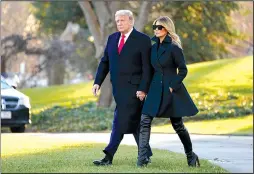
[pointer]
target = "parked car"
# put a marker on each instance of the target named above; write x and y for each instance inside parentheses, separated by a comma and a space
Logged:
(11, 78)
(15, 108)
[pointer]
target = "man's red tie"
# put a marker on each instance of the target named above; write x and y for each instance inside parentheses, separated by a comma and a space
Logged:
(120, 47)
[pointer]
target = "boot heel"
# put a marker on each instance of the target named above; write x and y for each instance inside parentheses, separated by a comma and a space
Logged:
(193, 160)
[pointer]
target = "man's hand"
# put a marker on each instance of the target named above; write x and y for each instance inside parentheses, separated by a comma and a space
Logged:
(141, 95)
(95, 89)
(171, 90)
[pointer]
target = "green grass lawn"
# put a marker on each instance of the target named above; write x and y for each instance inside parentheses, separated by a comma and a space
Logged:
(221, 89)
(61, 95)
(227, 75)
(48, 155)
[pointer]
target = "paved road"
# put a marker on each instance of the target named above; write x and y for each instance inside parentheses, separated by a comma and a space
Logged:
(234, 153)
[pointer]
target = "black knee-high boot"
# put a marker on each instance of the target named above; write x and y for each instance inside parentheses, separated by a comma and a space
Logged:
(184, 136)
(144, 137)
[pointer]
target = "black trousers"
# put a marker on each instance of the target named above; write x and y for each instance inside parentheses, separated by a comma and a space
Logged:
(116, 138)
(145, 130)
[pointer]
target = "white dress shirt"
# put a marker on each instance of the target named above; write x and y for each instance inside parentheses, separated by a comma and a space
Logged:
(126, 36)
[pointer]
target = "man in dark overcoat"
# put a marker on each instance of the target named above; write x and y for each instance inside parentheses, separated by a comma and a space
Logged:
(127, 59)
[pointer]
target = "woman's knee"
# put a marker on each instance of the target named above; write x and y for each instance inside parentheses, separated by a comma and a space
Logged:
(178, 125)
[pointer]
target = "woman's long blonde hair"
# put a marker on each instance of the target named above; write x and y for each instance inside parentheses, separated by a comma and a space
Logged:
(168, 24)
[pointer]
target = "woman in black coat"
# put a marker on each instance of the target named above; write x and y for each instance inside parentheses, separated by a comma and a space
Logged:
(167, 96)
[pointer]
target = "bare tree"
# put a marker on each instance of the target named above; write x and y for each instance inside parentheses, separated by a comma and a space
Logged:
(56, 51)
(14, 44)
(15, 25)
(60, 50)
(101, 22)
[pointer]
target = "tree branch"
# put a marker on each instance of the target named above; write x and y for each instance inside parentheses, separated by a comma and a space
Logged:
(102, 13)
(37, 51)
(143, 15)
(93, 25)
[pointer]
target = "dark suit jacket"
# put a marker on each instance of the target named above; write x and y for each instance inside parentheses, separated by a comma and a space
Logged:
(160, 101)
(130, 71)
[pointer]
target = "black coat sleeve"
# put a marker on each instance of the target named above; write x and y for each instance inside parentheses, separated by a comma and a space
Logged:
(179, 60)
(103, 67)
(146, 65)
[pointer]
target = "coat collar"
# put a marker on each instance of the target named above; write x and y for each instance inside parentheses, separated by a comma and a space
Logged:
(167, 39)
(163, 46)
(132, 36)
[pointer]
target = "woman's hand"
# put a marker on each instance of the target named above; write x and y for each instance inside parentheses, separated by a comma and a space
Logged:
(171, 90)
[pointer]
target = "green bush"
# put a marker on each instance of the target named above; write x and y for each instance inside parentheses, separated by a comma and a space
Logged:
(88, 117)
(83, 118)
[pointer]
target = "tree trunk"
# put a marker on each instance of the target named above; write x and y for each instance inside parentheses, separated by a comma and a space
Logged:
(3, 65)
(56, 73)
(143, 15)
(93, 25)
(59, 72)
(98, 25)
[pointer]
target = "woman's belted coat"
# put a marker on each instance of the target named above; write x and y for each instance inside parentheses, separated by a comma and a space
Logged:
(166, 58)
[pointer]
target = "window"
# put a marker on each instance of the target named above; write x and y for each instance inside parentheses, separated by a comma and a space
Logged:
(4, 85)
